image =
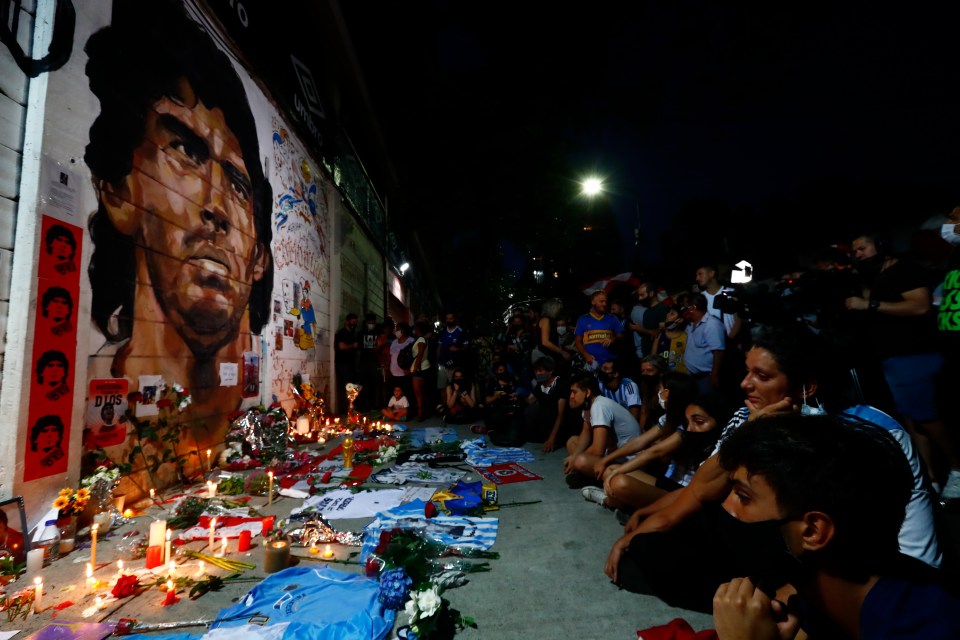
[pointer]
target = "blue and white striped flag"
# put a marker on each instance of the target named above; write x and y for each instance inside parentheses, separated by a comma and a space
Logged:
(479, 455)
(456, 531)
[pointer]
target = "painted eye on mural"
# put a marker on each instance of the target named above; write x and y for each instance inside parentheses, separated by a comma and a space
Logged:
(239, 183)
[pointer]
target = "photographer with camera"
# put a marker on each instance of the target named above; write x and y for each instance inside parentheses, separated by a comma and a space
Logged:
(725, 304)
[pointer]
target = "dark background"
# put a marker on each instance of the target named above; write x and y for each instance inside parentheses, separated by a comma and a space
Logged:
(760, 133)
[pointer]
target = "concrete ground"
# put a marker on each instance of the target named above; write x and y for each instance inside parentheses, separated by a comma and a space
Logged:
(548, 582)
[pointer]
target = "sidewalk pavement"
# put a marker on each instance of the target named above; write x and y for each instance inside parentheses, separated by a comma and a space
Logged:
(548, 582)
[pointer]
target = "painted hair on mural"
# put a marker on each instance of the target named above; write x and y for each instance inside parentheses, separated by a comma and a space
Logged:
(142, 57)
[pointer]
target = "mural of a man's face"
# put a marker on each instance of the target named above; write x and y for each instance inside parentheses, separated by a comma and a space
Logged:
(192, 197)
(54, 374)
(49, 438)
(61, 249)
(58, 310)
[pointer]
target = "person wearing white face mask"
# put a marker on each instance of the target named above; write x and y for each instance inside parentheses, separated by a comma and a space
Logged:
(948, 325)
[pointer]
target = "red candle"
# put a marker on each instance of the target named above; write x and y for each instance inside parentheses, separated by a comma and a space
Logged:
(171, 595)
(154, 556)
(243, 544)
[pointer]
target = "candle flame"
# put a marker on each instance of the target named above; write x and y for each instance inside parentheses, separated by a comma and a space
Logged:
(169, 585)
(38, 581)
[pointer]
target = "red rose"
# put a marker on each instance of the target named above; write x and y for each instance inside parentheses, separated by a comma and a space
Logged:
(373, 566)
(126, 586)
(430, 510)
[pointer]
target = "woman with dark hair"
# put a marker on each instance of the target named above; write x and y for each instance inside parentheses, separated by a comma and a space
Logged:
(460, 400)
(652, 370)
(548, 340)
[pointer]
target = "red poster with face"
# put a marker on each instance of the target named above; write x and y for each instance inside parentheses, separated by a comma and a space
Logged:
(52, 365)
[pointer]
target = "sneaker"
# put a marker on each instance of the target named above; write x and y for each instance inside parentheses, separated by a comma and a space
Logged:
(594, 494)
(951, 490)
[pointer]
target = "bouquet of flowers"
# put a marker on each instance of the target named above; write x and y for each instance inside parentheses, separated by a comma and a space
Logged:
(414, 571)
(70, 502)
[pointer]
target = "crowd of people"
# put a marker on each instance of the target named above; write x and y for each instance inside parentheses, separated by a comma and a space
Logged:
(753, 457)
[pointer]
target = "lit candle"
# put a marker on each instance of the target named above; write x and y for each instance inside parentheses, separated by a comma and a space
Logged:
(313, 548)
(171, 567)
(270, 488)
(99, 603)
(171, 594)
(213, 530)
(328, 552)
(166, 549)
(209, 461)
(211, 489)
(224, 545)
(243, 542)
(93, 543)
(128, 513)
(276, 556)
(119, 568)
(321, 440)
(200, 569)
(91, 583)
(303, 425)
(37, 594)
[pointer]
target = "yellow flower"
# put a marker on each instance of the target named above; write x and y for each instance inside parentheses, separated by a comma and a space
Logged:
(83, 494)
(66, 492)
(60, 503)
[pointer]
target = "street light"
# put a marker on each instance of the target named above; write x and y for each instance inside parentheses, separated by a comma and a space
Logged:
(593, 186)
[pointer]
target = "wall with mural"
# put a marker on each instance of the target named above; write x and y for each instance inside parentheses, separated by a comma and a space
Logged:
(197, 231)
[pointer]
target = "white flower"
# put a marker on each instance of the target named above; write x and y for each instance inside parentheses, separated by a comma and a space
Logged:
(428, 601)
(411, 607)
(177, 388)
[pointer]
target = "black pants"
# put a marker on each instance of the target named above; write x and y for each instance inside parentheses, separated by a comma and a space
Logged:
(682, 566)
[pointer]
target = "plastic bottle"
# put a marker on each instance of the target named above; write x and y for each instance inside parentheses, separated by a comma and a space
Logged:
(50, 541)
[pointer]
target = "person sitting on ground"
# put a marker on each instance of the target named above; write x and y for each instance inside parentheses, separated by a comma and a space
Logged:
(548, 418)
(818, 503)
(503, 412)
(398, 406)
(623, 391)
(652, 369)
(606, 426)
(786, 372)
(460, 400)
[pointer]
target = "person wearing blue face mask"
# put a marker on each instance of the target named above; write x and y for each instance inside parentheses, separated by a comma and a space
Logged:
(813, 516)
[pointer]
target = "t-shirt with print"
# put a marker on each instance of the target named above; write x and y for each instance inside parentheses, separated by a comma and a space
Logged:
(456, 337)
(398, 403)
(594, 331)
(626, 395)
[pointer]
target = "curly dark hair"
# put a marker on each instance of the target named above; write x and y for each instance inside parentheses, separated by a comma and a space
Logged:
(52, 294)
(48, 358)
(854, 472)
(41, 424)
(147, 50)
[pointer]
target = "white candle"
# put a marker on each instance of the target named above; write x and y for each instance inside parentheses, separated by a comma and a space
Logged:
(99, 603)
(171, 567)
(223, 547)
(119, 568)
(157, 530)
(211, 489)
(328, 552)
(303, 425)
(166, 551)
(37, 594)
(153, 495)
(270, 488)
(213, 530)
(90, 581)
(34, 561)
(93, 543)
(209, 461)
(200, 569)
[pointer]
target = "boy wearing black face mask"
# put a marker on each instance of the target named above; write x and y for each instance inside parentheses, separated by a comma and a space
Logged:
(818, 503)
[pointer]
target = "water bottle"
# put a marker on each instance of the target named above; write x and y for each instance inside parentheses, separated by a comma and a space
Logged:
(50, 541)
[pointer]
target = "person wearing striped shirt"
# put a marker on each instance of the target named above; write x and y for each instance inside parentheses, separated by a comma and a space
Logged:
(623, 391)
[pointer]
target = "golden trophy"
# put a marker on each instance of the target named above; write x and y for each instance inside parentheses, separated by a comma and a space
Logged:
(353, 390)
(348, 453)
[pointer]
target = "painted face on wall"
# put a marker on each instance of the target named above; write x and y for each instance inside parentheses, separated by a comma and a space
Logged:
(48, 438)
(58, 310)
(54, 373)
(193, 219)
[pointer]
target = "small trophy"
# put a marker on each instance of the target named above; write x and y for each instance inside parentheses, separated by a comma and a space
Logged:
(348, 453)
(353, 390)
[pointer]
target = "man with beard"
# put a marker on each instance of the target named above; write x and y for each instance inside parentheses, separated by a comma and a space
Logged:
(181, 270)
(646, 317)
(897, 314)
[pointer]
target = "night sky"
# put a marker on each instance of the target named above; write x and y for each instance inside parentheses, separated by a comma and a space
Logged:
(792, 125)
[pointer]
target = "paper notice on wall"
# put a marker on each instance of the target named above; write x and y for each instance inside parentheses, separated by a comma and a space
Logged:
(150, 388)
(106, 405)
(58, 190)
(229, 374)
